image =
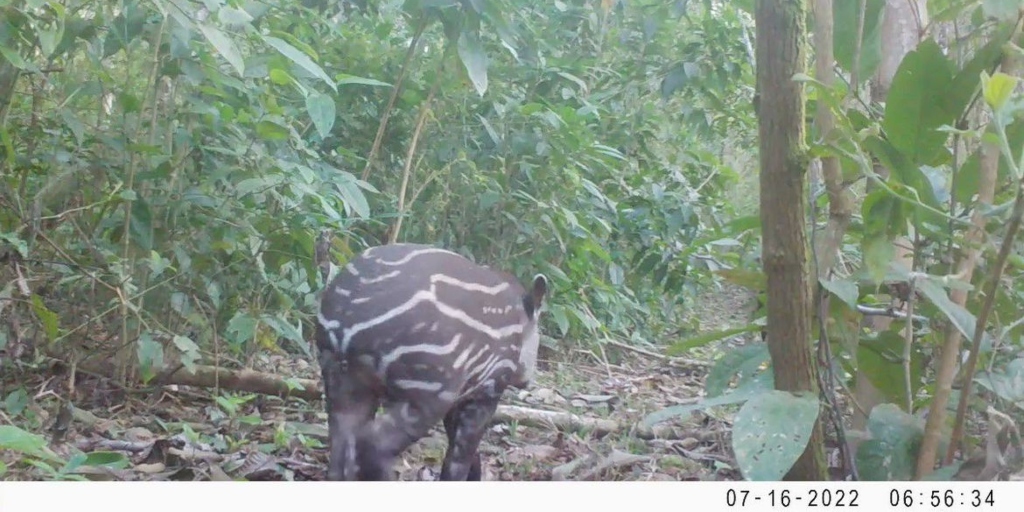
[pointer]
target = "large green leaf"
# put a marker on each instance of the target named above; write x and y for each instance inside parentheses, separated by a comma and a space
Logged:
(844, 289)
(321, 110)
(474, 58)
(891, 453)
(968, 80)
(844, 36)
(1006, 383)
(682, 346)
(960, 317)
(769, 434)
(1002, 10)
(49, 319)
(225, 47)
(881, 359)
(918, 103)
(736, 397)
(745, 361)
(300, 59)
(18, 440)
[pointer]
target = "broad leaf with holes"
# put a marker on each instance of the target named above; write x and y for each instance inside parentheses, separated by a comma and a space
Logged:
(771, 432)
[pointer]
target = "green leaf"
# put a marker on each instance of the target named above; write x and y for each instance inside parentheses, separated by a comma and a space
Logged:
(49, 319)
(745, 361)
(471, 51)
(681, 347)
(891, 453)
(321, 110)
(917, 104)
(113, 460)
(878, 251)
(959, 316)
(355, 200)
(225, 47)
(557, 312)
(271, 131)
(151, 355)
(743, 224)
(880, 360)
(985, 59)
(234, 17)
(301, 59)
(1006, 383)
(844, 36)
(884, 215)
(21, 441)
(998, 88)
(770, 433)
(1002, 10)
(16, 402)
(281, 77)
(676, 78)
(259, 184)
(288, 332)
(243, 328)
(16, 60)
(344, 79)
(189, 351)
(754, 280)
(736, 397)
(844, 289)
(141, 225)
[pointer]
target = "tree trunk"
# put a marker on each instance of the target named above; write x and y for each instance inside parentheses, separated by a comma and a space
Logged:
(840, 200)
(781, 54)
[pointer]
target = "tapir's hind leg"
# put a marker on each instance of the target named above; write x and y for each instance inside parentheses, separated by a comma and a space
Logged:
(402, 423)
(466, 425)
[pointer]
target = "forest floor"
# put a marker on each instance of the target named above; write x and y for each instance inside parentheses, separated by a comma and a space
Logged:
(188, 433)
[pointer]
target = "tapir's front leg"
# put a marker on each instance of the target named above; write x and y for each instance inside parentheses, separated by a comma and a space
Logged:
(350, 408)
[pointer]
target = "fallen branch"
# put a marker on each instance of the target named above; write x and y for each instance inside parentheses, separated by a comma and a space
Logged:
(252, 381)
(554, 420)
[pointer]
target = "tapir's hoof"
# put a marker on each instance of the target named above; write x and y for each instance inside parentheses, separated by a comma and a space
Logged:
(426, 474)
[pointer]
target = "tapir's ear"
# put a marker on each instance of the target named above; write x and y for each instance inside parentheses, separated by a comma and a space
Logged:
(535, 299)
(540, 288)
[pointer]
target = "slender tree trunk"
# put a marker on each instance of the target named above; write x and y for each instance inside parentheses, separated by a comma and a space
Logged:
(840, 200)
(781, 54)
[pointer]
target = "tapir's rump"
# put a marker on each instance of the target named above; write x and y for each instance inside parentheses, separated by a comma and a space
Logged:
(438, 336)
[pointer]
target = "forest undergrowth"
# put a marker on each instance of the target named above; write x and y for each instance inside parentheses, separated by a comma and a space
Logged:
(596, 400)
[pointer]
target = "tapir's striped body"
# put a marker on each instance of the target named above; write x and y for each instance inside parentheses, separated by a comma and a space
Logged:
(431, 336)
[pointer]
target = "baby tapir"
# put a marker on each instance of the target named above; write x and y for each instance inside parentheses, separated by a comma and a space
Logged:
(432, 337)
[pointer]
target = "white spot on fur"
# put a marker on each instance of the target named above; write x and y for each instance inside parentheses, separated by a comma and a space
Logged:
(473, 287)
(327, 323)
(423, 348)
(418, 385)
(383, 277)
(419, 252)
